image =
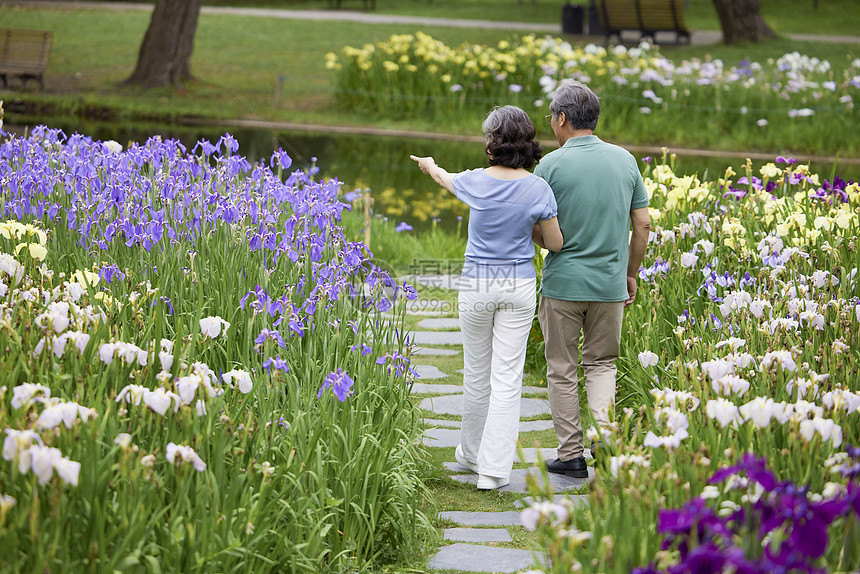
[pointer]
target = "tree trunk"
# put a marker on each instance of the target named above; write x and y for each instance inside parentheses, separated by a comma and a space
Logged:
(741, 20)
(165, 53)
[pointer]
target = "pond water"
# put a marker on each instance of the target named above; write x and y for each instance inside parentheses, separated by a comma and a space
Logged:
(380, 164)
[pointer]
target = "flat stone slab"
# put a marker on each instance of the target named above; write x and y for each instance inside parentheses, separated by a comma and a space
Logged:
(529, 390)
(463, 518)
(441, 423)
(475, 558)
(528, 426)
(440, 281)
(538, 455)
(477, 535)
(455, 466)
(441, 437)
(434, 351)
(441, 323)
(525, 426)
(430, 307)
(559, 482)
(453, 405)
(577, 499)
(437, 337)
(429, 372)
(533, 456)
(435, 389)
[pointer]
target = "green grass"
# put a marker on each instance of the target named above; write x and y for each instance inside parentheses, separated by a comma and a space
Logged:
(784, 16)
(238, 63)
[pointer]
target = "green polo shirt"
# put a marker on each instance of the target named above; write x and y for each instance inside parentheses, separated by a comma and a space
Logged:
(596, 185)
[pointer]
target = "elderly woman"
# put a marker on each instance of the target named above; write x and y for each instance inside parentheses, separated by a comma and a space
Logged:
(497, 287)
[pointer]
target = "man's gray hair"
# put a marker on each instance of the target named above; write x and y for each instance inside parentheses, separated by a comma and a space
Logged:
(580, 105)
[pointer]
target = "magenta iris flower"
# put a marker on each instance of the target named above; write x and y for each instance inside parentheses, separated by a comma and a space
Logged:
(707, 542)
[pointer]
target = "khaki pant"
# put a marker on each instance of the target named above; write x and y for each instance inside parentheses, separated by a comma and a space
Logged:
(562, 322)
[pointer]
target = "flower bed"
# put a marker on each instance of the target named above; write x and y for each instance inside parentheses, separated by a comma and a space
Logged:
(646, 96)
(738, 420)
(196, 370)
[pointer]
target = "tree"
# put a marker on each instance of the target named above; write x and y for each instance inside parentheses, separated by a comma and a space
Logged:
(165, 53)
(741, 20)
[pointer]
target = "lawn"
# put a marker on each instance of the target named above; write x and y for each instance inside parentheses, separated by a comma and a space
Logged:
(239, 63)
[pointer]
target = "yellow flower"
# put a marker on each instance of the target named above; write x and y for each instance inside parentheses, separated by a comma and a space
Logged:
(769, 170)
(85, 277)
(37, 252)
(823, 222)
(844, 218)
(812, 234)
(853, 192)
(390, 66)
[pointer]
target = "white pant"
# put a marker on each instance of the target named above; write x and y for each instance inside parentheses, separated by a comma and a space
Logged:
(495, 317)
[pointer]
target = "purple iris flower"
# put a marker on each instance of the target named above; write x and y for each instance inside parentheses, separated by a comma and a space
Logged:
(339, 382)
(403, 226)
(754, 468)
(283, 160)
(108, 272)
(206, 147)
(365, 350)
(266, 334)
(167, 302)
(276, 363)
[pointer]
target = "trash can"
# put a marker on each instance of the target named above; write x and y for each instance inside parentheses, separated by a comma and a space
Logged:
(572, 16)
(594, 26)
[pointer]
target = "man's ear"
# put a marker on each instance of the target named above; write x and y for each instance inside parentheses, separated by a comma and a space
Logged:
(562, 118)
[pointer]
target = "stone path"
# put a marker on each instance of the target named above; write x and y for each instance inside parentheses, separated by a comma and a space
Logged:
(698, 37)
(476, 536)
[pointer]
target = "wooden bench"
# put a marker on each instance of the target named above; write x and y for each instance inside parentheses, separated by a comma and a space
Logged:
(24, 53)
(647, 17)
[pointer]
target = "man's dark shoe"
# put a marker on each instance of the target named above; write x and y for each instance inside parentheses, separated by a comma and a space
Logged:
(575, 467)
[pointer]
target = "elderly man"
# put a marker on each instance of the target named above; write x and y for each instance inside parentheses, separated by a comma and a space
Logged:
(587, 284)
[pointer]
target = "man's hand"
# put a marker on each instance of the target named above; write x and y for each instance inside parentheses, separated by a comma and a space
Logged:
(631, 291)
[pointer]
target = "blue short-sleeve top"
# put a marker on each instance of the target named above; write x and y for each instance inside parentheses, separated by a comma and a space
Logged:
(502, 214)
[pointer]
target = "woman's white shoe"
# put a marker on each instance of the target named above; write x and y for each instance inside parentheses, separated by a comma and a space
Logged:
(461, 459)
(491, 482)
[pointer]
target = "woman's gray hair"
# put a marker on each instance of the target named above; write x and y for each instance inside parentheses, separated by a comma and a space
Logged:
(509, 137)
(580, 105)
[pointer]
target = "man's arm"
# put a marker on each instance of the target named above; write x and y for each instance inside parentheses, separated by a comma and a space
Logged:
(641, 224)
(537, 236)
